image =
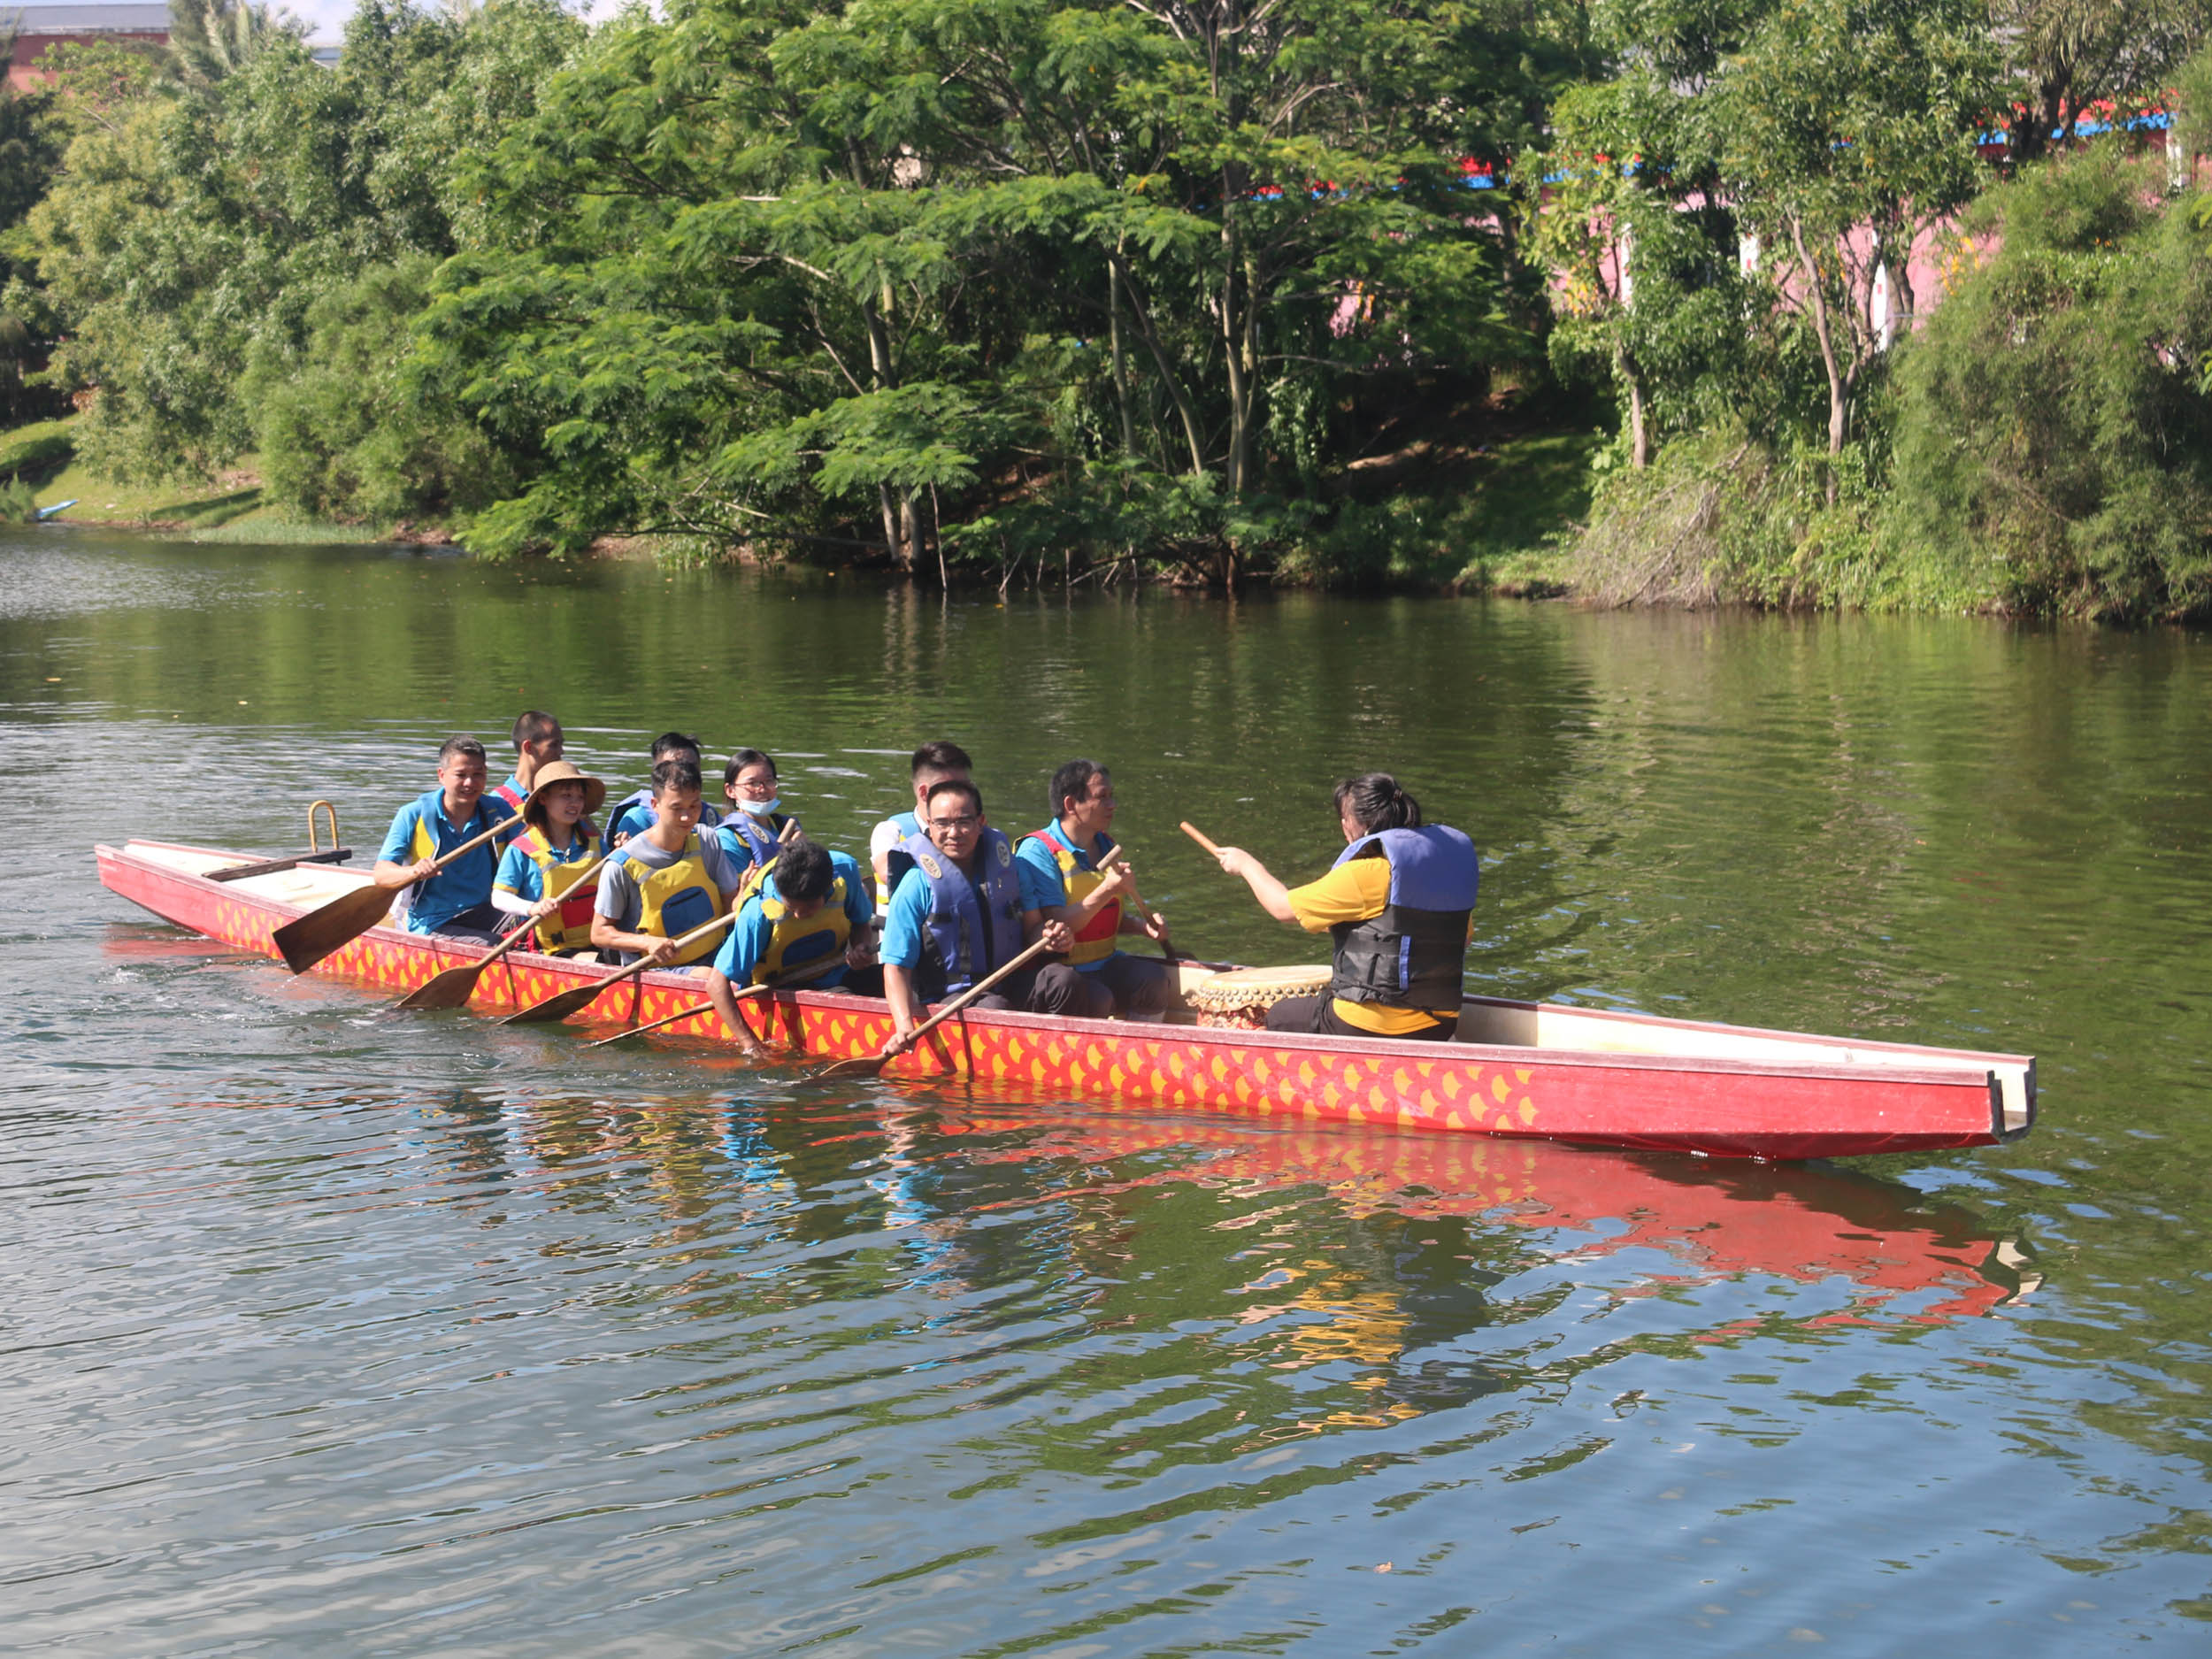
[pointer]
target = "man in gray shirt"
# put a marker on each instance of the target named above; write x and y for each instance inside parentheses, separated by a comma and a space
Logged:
(665, 880)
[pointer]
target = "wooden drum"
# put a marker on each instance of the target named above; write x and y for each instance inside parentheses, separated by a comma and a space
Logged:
(1241, 997)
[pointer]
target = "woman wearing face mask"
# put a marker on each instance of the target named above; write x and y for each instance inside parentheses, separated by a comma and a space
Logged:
(753, 832)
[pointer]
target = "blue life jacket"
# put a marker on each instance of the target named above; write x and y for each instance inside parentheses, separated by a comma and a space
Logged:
(899, 860)
(965, 940)
(640, 804)
(753, 834)
(1414, 955)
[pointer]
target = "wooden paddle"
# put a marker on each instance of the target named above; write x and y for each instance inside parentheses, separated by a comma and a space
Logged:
(306, 939)
(561, 1004)
(453, 988)
(1191, 830)
(869, 1064)
(813, 973)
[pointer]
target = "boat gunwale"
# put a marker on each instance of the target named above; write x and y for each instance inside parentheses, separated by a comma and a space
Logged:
(1954, 1067)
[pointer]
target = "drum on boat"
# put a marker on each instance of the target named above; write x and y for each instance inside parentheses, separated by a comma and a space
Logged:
(1241, 997)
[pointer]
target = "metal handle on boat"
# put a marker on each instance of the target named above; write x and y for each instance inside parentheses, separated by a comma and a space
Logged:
(314, 841)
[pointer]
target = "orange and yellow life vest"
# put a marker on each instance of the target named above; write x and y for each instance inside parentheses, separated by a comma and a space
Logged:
(575, 882)
(1094, 939)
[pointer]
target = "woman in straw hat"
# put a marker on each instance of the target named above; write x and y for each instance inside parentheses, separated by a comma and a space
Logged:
(551, 874)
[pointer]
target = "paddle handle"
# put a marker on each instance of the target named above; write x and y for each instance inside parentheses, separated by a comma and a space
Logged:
(529, 927)
(691, 938)
(974, 991)
(469, 846)
(1191, 830)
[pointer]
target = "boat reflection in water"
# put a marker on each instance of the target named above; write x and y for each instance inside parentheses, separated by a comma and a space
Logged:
(1315, 1278)
(1714, 1220)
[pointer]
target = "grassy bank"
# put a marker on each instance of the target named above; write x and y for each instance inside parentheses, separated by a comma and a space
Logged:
(229, 507)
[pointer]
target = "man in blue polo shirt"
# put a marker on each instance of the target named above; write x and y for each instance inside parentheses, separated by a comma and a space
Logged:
(456, 901)
(1061, 882)
(810, 907)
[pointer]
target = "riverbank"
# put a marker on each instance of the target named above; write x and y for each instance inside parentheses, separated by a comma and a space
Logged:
(1429, 515)
(229, 507)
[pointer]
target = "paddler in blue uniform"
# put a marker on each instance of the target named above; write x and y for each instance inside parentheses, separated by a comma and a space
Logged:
(1399, 903)
(956, 916)
(634, 813)
(538, 742)
(456, 901)
(753, 832)
(548, 877)
(665, 880)
(933, 763)
(806, 905)
(1063, 881)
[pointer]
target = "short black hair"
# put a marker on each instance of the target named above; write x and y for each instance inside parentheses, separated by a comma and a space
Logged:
(803, 871)
(674, 743)
(955, 786)
(534, 726)
(943, 756)
(1375, 803)
(744, 758)
(453, 746)
(1074, 778)
(675, 774)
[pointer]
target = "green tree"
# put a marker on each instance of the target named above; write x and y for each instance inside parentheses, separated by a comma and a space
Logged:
(1851, 128)
(2055, 426)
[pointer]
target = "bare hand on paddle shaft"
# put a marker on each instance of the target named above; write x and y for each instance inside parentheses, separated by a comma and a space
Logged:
(1055, 939)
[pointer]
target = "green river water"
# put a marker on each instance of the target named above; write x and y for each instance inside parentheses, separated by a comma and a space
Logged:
(332, 1330)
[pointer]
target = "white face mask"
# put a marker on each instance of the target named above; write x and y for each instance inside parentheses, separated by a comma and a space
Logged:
(759, 809)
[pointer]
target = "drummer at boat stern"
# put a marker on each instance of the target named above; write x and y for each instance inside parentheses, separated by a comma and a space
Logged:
(1399, 903)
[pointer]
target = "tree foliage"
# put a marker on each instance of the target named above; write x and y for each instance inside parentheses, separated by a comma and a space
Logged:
(2055, 428)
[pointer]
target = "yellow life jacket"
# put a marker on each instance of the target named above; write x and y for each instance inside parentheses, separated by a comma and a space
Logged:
(674, 900)
(1095, 941)
(800, 944)
(575, 882)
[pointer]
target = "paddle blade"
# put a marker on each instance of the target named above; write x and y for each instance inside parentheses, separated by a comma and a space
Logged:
(448, 989)
(560, 1005)
(307, 939)
(862, 1066)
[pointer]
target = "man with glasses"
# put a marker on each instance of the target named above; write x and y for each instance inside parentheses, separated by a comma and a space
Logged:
(1062, 881)
(958, 915)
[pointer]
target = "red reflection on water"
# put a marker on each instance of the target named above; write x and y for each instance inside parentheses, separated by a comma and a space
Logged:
(1718, 1220)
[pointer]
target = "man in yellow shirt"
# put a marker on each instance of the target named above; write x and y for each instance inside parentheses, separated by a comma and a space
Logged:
(1399, 903)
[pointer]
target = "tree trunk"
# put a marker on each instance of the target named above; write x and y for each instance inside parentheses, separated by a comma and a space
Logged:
(1231, 350)
(1638, 434)
(1121, 361)
(885, 375)
(1838, 401)
(1173, 382)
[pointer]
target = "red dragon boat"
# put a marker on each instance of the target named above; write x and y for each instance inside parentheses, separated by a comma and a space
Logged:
(1520, 1069)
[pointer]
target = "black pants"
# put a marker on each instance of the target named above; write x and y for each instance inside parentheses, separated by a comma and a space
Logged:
(1319, 1014)
(485, 923)
(1055, 988)
(866, 981)
(1136, 987)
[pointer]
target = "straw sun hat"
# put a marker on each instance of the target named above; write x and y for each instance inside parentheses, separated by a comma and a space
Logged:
(561, 772)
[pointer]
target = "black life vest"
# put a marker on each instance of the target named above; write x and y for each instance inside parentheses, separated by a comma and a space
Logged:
(1413, 955)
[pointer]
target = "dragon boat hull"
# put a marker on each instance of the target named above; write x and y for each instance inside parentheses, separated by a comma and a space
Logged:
(1521, 1070)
